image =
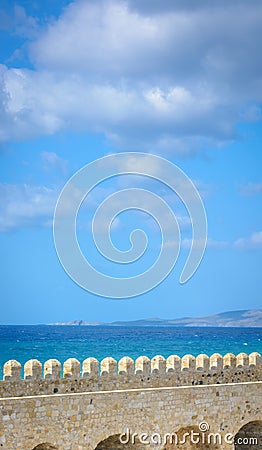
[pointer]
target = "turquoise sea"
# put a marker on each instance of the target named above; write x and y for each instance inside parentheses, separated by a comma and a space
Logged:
(44, 342)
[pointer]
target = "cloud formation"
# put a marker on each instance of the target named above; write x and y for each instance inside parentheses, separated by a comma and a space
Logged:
(169, 77)
(251, 189)
(18, 23)
(32, 205)
(253, 241)
(23, 205)
(51, 161)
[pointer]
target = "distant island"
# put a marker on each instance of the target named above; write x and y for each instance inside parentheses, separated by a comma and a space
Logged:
(242, 318)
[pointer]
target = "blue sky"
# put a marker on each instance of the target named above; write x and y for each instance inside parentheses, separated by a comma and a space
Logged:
(80, 80)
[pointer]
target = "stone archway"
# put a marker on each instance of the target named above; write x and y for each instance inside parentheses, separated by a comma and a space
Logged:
(191, 438)
(249, 437)
(113, 443)
(45, 446)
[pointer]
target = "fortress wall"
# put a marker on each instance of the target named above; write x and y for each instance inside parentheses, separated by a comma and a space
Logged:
(81, 421)
(127, 374)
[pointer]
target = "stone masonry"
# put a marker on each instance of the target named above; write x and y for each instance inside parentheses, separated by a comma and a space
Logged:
(92, 405)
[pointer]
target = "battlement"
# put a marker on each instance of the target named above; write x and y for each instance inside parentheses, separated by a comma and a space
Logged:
(92, 375)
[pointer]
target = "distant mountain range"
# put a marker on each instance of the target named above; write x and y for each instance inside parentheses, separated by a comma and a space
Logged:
(242, 318)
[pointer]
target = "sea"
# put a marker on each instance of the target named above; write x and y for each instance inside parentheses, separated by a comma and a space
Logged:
(61, 342)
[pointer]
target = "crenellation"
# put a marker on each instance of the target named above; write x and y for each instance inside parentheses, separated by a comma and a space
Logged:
(229, 360)
(255, 359)
(12, 370)
(126, 373)
(216, 361)
(90, 367)
(202, 362)
(158, 364)
(188, 363)
(108, 366)
(173, 363)
(126, 365)
(33, 370)
(52, 369)
(143, 365)
(71, 368)
(242, 360)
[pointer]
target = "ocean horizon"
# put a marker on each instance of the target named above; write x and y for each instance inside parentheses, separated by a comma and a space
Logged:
(43, 342)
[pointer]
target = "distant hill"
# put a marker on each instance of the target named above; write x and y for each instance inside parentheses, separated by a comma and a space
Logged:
(242, 318)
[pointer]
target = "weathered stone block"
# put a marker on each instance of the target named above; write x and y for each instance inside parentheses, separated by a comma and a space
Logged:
(229, 360)
(90, 366)
(202, 362)
(173, 363)
(126, 365)
(52, 369)
(255, 359)
(71, 368)
(216, 361)
(242, 360)
(33, 369)
(158, 364)
(108, 366)
(188, 362)
(143, 365)
(12, 370)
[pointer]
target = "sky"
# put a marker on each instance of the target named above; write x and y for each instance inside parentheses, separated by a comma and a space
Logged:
(82, 80)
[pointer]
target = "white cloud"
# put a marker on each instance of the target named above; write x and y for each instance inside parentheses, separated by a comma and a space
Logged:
(24, 206)
(251, 189)
(18, 22)
(44, 103)
(27, 205)
(211, 243)
(214, 243)
(168, 78)
(253, 241)
(51, 161)
(143, 164)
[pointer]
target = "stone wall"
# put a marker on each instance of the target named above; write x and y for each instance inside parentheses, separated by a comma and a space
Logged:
(127, 373)
(83, 421)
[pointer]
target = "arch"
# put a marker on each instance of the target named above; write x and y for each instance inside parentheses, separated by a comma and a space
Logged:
(114, 442)
(191, 438)
(249, 437)
(45, 446)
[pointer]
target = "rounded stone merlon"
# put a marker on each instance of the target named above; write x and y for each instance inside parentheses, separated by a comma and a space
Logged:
(142, 365)
(242, 360)
(202, 362)
(12, 370)
(90, 366)
(126, 365)
(71, 368)
(158, 364)
(173, 363)
(188, 362)
(255, 359)
(216, 361)
(52, 369)
(229, 360)
(108, 366)
(33, 370)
